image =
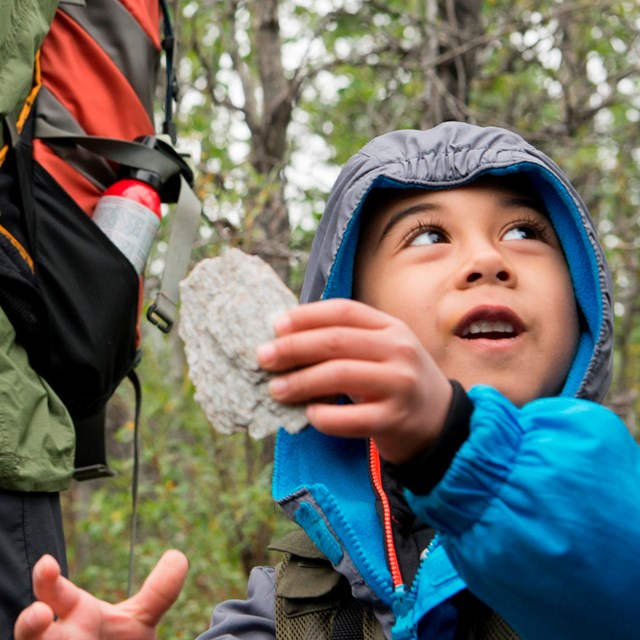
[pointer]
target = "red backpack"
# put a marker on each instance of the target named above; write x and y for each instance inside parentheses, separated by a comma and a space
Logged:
(73, 298)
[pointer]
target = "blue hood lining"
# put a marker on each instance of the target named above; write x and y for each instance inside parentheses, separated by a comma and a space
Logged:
(569, 226)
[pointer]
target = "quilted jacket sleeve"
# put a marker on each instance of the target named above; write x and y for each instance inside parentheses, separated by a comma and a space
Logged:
(540, 514)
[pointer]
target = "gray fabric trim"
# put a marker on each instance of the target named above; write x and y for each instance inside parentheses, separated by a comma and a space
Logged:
(125, 42)
(52, 112)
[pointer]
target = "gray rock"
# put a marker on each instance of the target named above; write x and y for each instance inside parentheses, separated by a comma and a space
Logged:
(228, 305)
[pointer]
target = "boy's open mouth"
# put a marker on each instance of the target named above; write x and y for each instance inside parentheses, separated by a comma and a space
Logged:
(490, 324)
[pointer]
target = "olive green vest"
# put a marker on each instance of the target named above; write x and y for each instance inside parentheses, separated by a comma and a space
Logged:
(314, 601)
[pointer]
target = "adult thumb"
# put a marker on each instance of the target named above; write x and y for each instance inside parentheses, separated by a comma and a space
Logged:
(162, 587)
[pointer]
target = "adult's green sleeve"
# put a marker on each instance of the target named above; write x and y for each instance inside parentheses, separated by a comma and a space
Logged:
(37, 439)
(23, 26)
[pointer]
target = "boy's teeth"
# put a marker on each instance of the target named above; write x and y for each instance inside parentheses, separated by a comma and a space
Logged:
(488, 326)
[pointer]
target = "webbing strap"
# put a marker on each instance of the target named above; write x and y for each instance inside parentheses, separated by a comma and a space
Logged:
(135, 381)
(128, 153)
(168, 44)
(12, 127)
(183, 232)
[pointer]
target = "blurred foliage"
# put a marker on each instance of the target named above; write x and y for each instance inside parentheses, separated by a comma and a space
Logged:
(203, 493)
(564, 74)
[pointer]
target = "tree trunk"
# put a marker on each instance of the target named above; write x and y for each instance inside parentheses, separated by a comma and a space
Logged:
(448, 63)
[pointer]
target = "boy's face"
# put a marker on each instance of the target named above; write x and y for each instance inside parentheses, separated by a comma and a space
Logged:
(478, 274)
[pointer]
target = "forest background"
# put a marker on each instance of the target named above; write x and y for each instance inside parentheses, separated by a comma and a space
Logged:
(274, 96)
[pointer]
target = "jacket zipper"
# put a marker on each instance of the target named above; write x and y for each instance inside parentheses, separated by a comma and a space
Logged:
(404, 597)
(376, 477)
(435, 541)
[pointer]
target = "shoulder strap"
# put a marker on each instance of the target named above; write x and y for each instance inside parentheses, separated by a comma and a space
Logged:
(23, 170)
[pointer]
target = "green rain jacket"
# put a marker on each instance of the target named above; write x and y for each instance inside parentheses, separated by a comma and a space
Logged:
(36, 433)
(37, 439)
(23, 26)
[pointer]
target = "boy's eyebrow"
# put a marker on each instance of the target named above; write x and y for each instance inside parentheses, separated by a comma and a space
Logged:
(421, 207)
(515, 202)
(508, 202)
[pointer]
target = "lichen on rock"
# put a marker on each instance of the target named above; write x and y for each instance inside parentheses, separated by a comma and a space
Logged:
(228, 305)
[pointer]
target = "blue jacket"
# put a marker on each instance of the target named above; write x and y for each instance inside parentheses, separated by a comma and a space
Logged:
(538, 515)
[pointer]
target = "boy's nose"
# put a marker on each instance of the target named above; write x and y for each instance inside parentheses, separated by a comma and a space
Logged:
(487, 266)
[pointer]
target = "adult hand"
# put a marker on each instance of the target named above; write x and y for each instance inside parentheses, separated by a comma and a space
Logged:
(64, 611)
(333, 347)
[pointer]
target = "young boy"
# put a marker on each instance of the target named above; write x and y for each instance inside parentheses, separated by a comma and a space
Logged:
(465, 485)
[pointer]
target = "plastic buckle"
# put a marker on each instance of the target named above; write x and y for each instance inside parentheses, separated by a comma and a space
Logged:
(155, 317)
(93, 472)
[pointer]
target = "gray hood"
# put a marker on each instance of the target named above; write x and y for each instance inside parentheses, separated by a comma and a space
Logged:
(450, 155)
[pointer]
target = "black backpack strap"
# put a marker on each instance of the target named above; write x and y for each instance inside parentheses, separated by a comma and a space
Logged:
(22, 156)
(171, 92)
(19, 296)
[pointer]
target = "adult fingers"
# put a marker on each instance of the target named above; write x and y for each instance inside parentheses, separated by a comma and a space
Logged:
(52, 588)
(161, 588)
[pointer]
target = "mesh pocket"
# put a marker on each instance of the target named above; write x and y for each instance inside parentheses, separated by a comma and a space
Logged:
(312, 625)
(496, 628)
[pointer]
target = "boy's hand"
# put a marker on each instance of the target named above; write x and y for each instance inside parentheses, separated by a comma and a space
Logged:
(81, 616)
(333, 347)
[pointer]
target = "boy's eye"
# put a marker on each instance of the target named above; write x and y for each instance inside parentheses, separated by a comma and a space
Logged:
(426, 237)
(523, 232)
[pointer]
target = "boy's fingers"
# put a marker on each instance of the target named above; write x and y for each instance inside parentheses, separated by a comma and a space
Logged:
(162, 587)
(352, 421)
(372, 420)
(317, 345)
(33, 622)
(355, 378)
(324, 313)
